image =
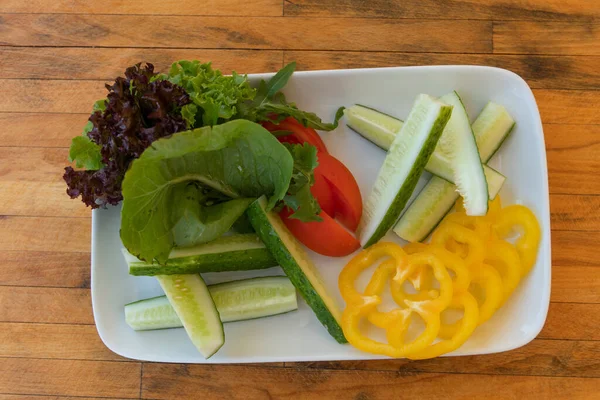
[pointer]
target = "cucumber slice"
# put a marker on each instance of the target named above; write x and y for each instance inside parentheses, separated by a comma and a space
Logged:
(297, 265)
(433, 202)
(457, 148)
(235, 301)
(373, 125)
(194, 305)
(402, 167)
(491, 128)
(228, 253)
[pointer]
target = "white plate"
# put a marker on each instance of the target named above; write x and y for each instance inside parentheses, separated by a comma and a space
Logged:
(298, 336)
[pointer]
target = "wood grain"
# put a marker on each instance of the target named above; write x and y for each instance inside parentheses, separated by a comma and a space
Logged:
(45, 268)
(164, 381)
(573, 321)
(108, 63)
(575, 213)
(40, 130)
(245, 33)
(568, 106)
(538, 358)
(45, 305)
(575, 248)
(575, 284)
(169, 7)
(540, 71)
(572, 154)
(453, 9)
(45, 234)
(63, 341)
(70, 377)
(543, 37)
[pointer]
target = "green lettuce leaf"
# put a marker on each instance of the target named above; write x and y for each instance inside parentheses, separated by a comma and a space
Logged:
(84, 152)
(238, 159)
(215, 97)
(270, 104)
(299, 198)
(195, 222)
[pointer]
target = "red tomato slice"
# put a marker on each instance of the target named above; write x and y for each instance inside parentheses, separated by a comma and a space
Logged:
(300, 134)
(346, 193)
(326, 237)
(322, 192)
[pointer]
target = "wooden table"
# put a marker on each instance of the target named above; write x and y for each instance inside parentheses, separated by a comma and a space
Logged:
(55, 56)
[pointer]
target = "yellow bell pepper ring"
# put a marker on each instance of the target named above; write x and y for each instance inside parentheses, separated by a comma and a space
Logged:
(467, 325)
(490, 282)
(522, 218)
(422, 277)
(364, 260)
(448, 230)
(422, 301)
(504, 258)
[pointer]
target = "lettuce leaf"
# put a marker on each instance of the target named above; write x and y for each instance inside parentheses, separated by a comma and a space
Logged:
(214, 96)
(270, 104)
(238, 159)
(85, 153)
(299, 197)
(195, 221)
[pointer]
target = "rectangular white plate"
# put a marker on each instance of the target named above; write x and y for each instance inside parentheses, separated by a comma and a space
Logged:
(298, 336)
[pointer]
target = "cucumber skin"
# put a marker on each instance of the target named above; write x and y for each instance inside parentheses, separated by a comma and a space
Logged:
(212, 288)
(215, 262)
(506, 136)
(271, 239)
(391, 216)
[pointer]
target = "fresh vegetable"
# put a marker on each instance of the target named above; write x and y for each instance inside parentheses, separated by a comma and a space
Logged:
(137, 112)
(322, 191)
(472, 248)
(145, 106)
(433, 202)
(297, 265)
(359, 306)
(238, 159)
(347, 199)
(338, 195)
(235, 301)
(196, 309)
(402, 167)
(458, 149)
(215, 98)
(299, 196)
(298, 134)
(239, 252)
(325, 237)
(373, 125)
(521, 217)
(195, 222)
(491, 128)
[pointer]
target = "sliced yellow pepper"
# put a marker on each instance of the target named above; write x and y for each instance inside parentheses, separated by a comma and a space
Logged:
(490, 281)
(467, 325)
(522, 218)
(450, 230)
(504, 258)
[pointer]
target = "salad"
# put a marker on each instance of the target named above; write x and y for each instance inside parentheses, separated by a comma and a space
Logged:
(215, 175)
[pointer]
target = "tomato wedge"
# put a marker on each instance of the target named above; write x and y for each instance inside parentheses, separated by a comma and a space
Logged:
(326, 237)
(345, 190)
(300, 133)
(322, 192)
